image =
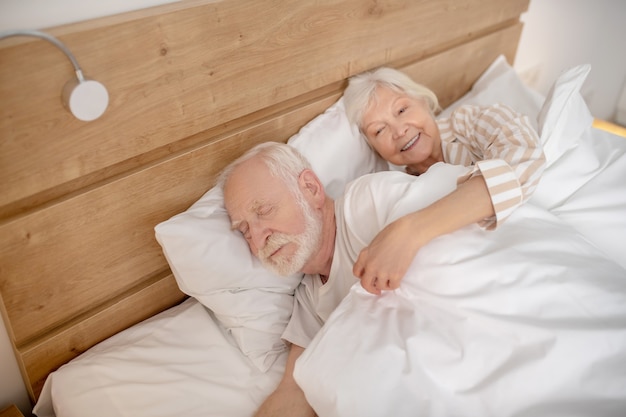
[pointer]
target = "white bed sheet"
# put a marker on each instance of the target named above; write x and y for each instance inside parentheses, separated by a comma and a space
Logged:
(178, 363)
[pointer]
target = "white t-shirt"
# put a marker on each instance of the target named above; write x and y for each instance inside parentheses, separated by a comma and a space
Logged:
(368, 205)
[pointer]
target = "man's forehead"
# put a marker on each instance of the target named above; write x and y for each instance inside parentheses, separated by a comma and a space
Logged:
(248, 172)
(249, 186)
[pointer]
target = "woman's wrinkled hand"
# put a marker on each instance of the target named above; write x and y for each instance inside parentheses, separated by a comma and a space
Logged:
(382, 265)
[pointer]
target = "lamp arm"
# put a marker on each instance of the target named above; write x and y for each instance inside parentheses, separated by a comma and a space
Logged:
(51, 39)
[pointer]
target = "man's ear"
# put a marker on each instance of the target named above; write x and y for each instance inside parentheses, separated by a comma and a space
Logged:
(312, 187)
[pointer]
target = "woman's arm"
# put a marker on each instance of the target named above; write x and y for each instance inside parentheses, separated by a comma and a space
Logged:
(503, 148)
(288, 399)
(508, 161)
(382, 264)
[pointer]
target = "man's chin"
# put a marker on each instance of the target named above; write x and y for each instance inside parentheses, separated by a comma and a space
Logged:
(278, 269)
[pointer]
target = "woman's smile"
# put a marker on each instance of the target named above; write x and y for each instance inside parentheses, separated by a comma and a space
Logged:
(410, 143)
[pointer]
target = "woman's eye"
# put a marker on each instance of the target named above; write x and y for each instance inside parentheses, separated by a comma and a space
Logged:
(402, 110)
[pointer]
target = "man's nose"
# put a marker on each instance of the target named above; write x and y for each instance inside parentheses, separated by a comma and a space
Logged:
(259, 235)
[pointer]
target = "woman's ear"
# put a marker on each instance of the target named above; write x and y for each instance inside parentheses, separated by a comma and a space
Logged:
(312, 187)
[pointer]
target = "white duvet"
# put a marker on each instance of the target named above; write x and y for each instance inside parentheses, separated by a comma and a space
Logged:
(527, 320)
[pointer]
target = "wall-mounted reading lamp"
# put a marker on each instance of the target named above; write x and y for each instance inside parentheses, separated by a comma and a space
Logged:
(86, 99)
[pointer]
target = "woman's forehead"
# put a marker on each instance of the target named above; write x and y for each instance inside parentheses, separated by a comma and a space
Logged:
(382, 98)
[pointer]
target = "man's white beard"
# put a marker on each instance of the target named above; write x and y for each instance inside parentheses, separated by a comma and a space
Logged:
(307, 243)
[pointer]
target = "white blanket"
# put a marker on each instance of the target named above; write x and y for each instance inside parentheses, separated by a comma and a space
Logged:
(527, 320)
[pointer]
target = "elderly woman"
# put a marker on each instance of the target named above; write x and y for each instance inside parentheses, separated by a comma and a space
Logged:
(396, 117)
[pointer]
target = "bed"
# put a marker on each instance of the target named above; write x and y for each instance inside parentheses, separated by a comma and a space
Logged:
(125, 293)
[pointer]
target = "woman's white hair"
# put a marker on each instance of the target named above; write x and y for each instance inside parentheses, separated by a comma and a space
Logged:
(362, 89)
(283, 161)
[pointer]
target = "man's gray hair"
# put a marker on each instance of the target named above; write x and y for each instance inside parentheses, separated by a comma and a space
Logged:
(362, 89)
(283, 161)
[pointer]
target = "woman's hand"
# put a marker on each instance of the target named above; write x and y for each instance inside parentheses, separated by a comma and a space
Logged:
(382, 265)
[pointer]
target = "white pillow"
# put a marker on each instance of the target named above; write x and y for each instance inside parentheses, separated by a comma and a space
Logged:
(177, 363)
(213, 264)
(565, 128)
(564, 114)
(335, 149)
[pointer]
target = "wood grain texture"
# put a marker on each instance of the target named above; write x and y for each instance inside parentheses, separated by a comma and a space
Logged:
(193, 85)
(440, 72)
(173, 75)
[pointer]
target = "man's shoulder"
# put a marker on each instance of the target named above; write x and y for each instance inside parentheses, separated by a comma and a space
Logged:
(378, 195)
(366, 201)
(375, 180)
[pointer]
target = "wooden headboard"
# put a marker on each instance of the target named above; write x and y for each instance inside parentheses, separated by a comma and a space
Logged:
(192, 85)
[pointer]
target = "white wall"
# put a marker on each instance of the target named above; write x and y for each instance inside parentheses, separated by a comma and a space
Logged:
(41, 14)
(558, 34)
(12, 388)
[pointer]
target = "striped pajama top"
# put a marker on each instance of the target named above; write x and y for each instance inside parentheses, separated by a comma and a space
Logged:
(502, 146)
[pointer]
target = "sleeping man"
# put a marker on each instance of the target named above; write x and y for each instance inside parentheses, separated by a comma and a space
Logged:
(279, 205)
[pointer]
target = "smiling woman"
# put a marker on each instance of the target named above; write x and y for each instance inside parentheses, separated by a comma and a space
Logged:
(396, 116)
(402, 129)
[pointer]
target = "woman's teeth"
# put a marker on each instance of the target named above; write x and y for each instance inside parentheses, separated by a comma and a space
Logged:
(411, 142)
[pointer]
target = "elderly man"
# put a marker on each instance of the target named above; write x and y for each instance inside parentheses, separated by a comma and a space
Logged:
(279, 205)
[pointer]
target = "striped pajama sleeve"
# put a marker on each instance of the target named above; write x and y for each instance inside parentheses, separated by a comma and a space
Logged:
(502, 146)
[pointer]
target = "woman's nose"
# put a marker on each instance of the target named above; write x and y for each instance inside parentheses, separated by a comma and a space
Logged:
(398, 131)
